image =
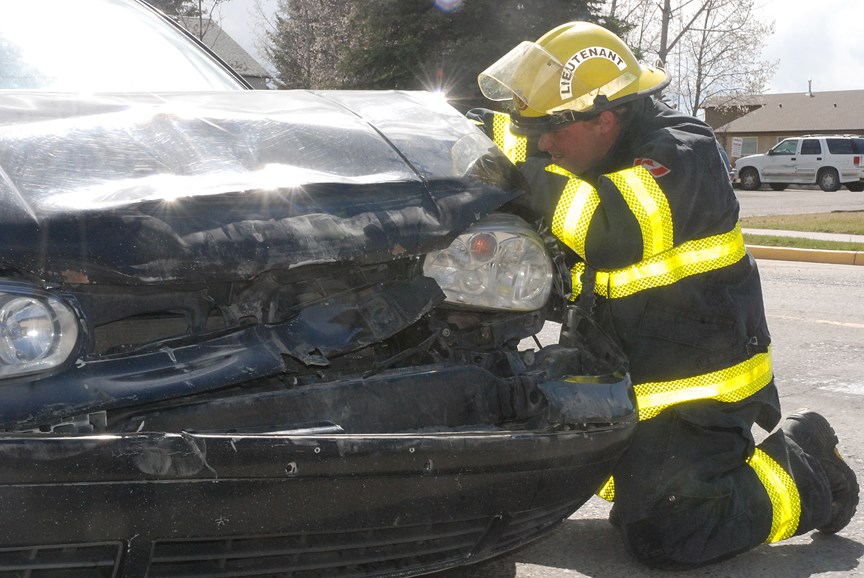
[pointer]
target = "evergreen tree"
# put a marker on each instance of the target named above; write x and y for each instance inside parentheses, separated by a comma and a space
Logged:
(307, 42)
(407, 44)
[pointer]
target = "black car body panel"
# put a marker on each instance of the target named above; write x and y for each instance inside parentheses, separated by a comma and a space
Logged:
(139, 191)
(251, 370)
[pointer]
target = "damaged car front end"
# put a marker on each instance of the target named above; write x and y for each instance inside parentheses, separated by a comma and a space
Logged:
(279, 333)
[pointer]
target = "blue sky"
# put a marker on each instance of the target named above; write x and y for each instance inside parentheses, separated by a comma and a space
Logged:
(816, 40)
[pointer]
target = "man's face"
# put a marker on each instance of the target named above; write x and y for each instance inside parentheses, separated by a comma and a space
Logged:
(580, 145)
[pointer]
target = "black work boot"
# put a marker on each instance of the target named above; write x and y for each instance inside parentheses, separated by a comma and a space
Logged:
(812, 432)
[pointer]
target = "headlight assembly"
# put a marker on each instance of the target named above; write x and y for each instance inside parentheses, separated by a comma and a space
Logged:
(499, 263)
(38, 331)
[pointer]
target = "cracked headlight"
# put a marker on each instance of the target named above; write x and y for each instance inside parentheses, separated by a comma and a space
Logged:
(499, 263)
(38, 332)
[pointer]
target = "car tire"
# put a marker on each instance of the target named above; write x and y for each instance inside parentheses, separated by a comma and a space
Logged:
(778, 186)
(749, 178)
(828, 180)
(855, 187)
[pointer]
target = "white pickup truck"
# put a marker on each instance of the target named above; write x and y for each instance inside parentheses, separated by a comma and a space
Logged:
(828, 161)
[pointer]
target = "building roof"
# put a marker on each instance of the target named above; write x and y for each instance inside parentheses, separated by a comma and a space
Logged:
(802, 112)
(226, 47)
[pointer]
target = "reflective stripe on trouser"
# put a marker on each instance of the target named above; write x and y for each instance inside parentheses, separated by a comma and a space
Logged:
(513, 146)
(785, 501)
(730, 385)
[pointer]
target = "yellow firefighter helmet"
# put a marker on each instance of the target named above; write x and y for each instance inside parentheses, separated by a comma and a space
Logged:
(573, 71)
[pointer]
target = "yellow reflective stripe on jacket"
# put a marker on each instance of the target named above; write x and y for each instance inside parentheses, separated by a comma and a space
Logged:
(640, 191)
(573, 213)
(690, 258)
(662, 264)
(576, 280)
(728, 385)
(648, 204)
(513, 146)
(607, 491)
(785, 500)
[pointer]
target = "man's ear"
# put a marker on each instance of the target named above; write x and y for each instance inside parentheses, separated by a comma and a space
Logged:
(608, 120)
(609, 125)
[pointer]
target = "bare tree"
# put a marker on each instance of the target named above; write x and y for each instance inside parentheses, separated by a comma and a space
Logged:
(720, 56)
(196, 16)
(712, 48)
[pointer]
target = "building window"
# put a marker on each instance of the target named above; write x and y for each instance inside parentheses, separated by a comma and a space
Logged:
(749, 145)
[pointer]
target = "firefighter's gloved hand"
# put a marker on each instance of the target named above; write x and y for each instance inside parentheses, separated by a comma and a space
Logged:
(494, 169)
(482, 117)
(601, 352)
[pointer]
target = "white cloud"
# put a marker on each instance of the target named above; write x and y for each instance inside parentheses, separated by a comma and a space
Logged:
(818, 41)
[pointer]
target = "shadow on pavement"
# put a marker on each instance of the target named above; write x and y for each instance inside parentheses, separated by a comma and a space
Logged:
(592, 548)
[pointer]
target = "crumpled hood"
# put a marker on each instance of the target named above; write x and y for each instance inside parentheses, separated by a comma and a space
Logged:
(193, 187)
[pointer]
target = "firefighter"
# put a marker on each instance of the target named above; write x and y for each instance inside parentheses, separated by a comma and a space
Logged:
(639, 193)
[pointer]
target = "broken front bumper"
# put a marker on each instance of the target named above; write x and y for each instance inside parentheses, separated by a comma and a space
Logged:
(322, 499)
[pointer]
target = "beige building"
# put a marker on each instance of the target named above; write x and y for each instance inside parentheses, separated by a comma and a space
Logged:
(758, 123)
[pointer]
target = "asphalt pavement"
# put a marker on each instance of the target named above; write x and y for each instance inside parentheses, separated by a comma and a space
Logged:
(802, 200)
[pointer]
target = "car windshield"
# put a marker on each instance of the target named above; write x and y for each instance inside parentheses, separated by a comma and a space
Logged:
(100, 46)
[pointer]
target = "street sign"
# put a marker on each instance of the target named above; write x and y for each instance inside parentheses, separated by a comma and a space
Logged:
(737, 143)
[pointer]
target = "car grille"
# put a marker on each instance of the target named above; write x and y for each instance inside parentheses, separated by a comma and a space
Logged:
(355, 553)
(98, 560)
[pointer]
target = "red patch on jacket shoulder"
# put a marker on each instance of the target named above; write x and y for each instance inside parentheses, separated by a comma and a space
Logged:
(653, 167)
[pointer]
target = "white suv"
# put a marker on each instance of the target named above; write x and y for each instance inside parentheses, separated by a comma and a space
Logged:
(828, 161)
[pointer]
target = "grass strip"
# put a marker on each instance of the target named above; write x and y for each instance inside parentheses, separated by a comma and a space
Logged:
(799, 243)
(846, 222)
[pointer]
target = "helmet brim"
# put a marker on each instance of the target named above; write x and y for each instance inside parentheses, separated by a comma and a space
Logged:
(652, 81)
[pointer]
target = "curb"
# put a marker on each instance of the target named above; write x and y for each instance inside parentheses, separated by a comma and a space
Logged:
(807, 255)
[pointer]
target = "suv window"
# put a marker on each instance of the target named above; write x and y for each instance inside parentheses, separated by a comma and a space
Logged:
(839, 146)
(845, 146)
(811, 146)
(787, 147)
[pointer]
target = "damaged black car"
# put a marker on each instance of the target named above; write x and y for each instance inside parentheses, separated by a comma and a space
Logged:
(269, 333)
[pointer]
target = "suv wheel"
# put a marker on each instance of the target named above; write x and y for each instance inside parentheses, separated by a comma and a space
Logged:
(750, 179)
(829, 180)
(778, 186)
(855, 187)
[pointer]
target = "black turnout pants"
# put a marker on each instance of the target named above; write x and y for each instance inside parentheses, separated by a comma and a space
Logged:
(685, 495)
